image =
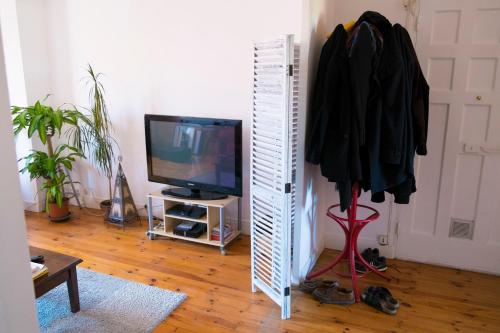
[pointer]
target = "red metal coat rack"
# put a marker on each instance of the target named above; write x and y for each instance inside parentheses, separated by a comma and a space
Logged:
(352, 228)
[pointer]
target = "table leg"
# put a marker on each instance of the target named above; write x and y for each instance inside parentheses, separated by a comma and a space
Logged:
(74, 297)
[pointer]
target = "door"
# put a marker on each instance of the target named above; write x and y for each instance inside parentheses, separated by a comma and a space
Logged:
(454, 218)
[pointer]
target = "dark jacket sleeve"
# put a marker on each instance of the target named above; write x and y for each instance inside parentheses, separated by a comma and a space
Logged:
(318, 119)
(393, 104)
(419, 93)
(420, 100)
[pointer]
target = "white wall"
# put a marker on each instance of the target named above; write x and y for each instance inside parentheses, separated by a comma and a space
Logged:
(17, 90)
(186, 58)
(162, 57)
(17, 309)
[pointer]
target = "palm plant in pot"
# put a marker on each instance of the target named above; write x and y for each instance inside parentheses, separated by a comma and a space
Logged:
(94, 135)
(46, 122)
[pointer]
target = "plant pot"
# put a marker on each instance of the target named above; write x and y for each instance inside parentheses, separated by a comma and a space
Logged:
(59, 214)
(105, 207)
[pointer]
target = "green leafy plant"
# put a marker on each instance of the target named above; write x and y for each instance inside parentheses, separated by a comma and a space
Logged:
(94, 135)
(46, 121)
(40, 165)
(43, 120)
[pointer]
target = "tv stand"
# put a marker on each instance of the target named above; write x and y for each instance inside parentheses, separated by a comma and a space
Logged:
(188, 193)
(214, 216)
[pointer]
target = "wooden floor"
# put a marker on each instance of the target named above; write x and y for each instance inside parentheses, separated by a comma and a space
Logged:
(434, 299)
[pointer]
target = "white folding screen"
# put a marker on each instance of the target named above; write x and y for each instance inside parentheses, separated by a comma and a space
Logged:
(273, 161)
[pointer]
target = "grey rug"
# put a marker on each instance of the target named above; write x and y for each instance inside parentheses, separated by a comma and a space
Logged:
(108, 304)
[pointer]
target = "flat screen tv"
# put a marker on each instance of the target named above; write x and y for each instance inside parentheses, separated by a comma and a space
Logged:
(201, 156)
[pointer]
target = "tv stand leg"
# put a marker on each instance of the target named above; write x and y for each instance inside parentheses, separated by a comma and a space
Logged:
(221, 231)
(151, 236)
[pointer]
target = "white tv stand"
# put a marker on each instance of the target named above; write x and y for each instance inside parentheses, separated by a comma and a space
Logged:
(214, 216)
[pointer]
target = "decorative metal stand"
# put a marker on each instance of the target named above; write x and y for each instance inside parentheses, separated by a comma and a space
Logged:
(123, 208)
(351, 226)
(74, 193)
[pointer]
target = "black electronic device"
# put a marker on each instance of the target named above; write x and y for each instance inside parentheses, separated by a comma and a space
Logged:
(202, 156)
(38, 259)
(194, 232)
(191, 211)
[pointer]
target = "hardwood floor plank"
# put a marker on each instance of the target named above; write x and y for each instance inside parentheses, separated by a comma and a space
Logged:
(434, 299)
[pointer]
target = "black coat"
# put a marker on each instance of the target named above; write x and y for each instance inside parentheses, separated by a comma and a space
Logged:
(327, 138)
(369, 111)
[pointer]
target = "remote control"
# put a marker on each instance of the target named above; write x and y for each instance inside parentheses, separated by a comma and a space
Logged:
(38, 259)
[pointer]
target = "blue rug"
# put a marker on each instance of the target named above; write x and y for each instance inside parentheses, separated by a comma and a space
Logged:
(107, 304)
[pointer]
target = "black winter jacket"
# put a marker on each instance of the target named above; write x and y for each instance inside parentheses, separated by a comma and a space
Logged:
(369, 111)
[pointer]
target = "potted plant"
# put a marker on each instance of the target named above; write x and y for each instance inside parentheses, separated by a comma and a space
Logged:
(94, 134)
(48, 166)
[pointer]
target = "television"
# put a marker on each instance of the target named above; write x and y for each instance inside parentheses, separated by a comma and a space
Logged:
(200, 156)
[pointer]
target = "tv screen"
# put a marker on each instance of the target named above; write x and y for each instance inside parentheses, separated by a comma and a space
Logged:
(202, 154)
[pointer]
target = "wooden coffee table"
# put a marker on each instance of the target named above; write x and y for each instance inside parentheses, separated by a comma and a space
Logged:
(62, 268)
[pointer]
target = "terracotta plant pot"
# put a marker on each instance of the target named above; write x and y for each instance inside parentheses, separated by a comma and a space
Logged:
(59, 214)
(105, 207)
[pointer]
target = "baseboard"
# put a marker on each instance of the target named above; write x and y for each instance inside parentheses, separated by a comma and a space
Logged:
(31, 206)
(89, 201)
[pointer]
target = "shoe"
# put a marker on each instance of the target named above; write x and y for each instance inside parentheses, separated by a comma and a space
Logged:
(386, 294)
(360, 268)
(308, 286)
(334, 295)
(377, 298)
(376, 254)
(373, 258)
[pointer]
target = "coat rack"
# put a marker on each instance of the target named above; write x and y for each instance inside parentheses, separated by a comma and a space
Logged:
(352, 228)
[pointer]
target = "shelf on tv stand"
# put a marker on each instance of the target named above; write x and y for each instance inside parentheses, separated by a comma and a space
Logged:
(214, 217)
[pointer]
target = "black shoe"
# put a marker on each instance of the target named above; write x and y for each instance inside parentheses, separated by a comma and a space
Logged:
(385, 294)
(360, 268)
(376, 254)
(379, 299)
(373, 258)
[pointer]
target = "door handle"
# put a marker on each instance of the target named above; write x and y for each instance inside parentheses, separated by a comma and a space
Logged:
(490, 149)
(472, 148)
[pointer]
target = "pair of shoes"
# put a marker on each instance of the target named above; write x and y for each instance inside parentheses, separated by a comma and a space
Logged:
(308, 286)
(373, 257)
(381, 299)
(334, 295)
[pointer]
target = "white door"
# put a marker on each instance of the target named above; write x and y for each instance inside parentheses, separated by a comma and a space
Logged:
(454, 218)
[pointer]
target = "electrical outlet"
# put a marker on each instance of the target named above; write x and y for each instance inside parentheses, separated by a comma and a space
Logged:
(383, 239)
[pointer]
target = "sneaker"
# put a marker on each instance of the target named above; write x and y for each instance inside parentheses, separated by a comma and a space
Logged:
(334, 295)
(308, 286)
(373, 258)
(360, 268)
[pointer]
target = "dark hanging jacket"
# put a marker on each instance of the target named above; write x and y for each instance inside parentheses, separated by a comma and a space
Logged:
(369, 111)
(419, 90)
(327, 138)
(417, 101)
(382, 152)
